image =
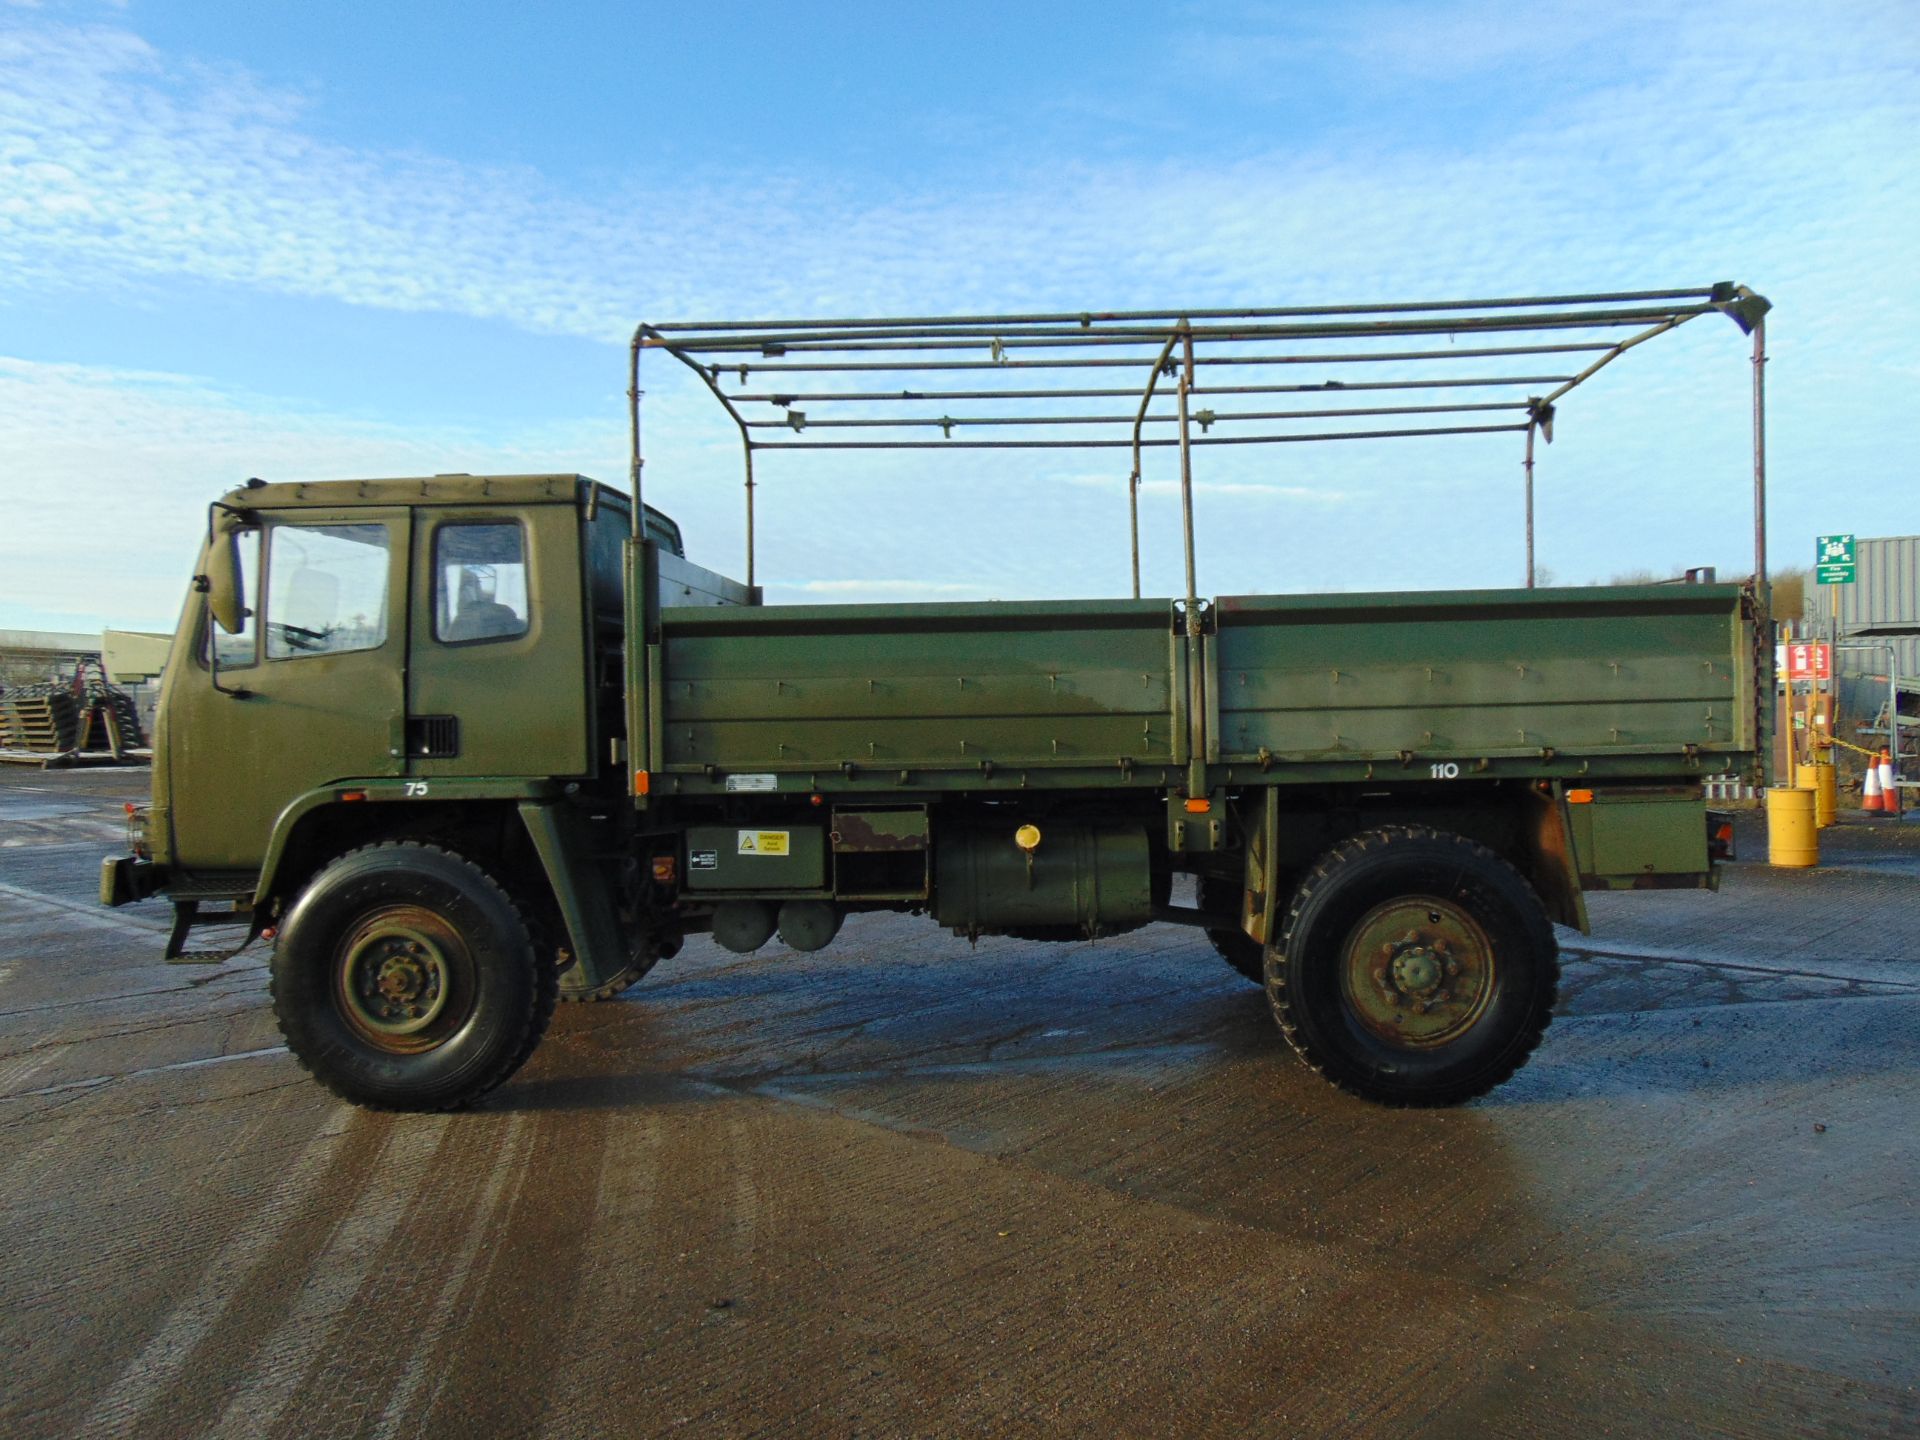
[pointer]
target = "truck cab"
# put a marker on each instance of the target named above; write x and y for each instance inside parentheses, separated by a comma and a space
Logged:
(441, 636)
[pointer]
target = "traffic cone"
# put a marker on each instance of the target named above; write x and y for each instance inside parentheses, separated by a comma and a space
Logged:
(1871, 799)
(1889, 785)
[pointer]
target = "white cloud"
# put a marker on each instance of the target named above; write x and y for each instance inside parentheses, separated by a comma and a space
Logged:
(108, 474)
(1742, 149)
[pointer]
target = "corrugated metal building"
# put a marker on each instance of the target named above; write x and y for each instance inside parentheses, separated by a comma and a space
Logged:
(1881, 608)
(31, 655)
(1886, 587)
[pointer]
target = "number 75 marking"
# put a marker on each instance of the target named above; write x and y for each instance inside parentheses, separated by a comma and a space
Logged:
(416, 789)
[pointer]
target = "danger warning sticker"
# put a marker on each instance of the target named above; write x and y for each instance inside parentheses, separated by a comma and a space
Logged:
(763, 842)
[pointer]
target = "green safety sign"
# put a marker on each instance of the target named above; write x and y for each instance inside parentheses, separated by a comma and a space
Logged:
(1833, 560)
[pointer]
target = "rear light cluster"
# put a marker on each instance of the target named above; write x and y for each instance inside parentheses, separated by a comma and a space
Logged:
(137, 831)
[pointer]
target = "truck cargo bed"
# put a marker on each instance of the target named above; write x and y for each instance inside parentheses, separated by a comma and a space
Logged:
(1051, 688)
(1615, 674)
(1651, 680)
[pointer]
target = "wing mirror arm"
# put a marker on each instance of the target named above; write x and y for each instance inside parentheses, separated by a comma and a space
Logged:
(223, 586)
(204, 585)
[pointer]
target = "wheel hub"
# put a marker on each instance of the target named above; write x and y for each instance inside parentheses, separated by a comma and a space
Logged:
(1418, 971)
(394, 978)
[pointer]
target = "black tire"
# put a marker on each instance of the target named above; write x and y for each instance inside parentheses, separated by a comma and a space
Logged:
(1415, 968)
(405, 979)
(1240, 950)
(574, 989)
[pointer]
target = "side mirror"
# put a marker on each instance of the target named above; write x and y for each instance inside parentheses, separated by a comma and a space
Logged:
(226, 591)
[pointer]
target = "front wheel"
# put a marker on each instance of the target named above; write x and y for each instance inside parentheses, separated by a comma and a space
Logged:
(1415, 968)
(405, 979)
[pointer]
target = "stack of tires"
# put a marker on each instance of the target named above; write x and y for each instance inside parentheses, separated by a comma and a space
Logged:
(42, 718)
(60, 717)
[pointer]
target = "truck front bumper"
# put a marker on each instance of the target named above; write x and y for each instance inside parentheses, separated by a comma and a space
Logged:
(127, 878)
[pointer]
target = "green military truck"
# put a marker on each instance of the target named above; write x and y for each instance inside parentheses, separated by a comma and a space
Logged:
(462, 745)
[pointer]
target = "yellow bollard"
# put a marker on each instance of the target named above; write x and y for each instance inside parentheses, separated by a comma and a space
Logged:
(1821, 776)
(1792, 840)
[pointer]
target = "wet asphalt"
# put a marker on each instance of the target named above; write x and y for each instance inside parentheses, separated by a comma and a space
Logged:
(910, 1187)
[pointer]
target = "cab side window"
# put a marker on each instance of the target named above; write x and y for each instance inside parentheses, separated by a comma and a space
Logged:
(480, 582)
(326, 589)
(237, 651)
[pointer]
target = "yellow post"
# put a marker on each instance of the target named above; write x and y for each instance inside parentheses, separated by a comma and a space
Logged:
(1792, 840)
(1826, 791)
(1820, 775)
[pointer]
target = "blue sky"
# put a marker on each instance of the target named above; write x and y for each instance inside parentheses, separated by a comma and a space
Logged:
(314, 241)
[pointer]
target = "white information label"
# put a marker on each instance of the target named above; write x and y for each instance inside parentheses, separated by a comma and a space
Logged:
(736, 783)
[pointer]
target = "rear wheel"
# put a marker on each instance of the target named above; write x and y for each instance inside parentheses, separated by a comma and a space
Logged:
(1415, 968)
(574, 989)
(1239, 949)
(405, 979)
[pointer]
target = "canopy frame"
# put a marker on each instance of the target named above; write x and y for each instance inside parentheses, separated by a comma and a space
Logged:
(1177, 346)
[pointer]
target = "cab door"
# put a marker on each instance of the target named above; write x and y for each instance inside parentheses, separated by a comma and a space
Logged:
(312, 691)
(500, 676)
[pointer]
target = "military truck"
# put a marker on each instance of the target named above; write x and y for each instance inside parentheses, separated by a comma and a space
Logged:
(461, 745)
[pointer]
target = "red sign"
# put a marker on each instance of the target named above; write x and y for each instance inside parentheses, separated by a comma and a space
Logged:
(1806, 661)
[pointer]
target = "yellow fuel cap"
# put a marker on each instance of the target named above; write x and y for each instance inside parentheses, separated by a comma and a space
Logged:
(1027, 837)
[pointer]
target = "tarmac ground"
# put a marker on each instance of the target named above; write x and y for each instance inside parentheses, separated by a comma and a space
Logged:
(908, 1186)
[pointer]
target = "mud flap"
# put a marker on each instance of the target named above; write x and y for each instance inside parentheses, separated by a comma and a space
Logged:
(580, 890)
(1260, 823)
(1552, 866)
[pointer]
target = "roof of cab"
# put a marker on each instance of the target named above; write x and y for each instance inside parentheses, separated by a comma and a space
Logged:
(423, 490)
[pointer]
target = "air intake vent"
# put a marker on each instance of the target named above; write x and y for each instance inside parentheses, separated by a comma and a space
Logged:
(433, 737)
